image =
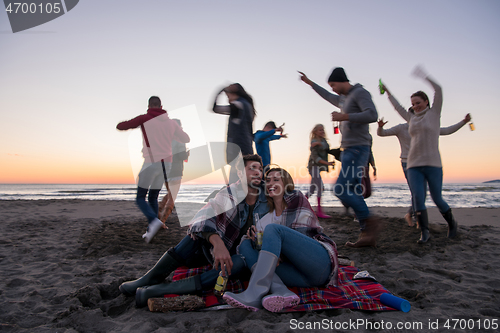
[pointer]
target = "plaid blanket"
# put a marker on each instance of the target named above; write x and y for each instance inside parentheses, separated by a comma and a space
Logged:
(350, 294)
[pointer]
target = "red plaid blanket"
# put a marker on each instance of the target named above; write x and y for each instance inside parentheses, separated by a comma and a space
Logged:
(350, 294)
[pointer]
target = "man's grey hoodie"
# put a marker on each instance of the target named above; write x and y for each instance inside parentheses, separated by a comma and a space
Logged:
(359, 105)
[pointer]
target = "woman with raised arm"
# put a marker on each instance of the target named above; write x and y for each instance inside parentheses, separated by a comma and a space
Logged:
(241, 114)
(424, 160)
(401, 132)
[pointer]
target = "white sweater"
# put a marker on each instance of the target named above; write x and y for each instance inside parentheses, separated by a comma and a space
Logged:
(424, 128)
(401, 132)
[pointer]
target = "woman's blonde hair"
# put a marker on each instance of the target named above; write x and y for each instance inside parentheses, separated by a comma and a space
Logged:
(288, 185)
(314, 130)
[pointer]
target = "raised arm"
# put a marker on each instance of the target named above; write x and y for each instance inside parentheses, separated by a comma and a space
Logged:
(262, 135)
(381, 131)
(453, 128)
(331, 98)
(438, 91)
(221, 109)
(437, 104)
(400, 109)
(132, 123)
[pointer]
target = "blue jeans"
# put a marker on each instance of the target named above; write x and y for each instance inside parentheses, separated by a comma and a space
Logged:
(149, 208)
(307, 262)
(419, 177)
(410, 210)
(348, 187)
(151, 178)
(196, 253)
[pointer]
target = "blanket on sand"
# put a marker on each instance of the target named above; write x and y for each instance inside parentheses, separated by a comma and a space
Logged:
(359, 294)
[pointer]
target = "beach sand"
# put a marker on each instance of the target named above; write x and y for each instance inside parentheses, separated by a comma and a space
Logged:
(61, 262)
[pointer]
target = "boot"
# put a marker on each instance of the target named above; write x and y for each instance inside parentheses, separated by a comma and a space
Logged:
(153, 228)
(189, 285)
(280, 296)
(166, 265)
(258, 287)
(452, 224)
(369, 235)
(319, 213)
(423, 221)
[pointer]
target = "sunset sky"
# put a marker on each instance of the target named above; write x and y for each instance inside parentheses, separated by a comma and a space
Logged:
(64, 85)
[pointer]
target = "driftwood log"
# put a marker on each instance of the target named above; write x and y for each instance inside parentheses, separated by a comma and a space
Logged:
(180, 303)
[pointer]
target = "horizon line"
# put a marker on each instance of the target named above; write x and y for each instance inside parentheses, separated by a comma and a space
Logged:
(220, 184)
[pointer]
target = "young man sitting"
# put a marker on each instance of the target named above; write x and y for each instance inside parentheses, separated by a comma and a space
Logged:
(212, 238)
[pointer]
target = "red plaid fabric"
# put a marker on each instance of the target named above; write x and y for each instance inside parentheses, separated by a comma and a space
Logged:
(235, 286)
(350, 294)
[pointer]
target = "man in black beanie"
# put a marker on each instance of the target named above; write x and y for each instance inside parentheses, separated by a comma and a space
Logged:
(357, 111)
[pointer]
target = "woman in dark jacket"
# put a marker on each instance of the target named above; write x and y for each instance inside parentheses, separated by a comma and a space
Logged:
(241, 114)
(318, 161)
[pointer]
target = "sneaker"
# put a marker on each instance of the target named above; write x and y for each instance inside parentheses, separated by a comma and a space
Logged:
(153, 228)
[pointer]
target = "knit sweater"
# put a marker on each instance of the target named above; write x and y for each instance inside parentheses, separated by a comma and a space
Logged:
(401, 132)
(359, 105)
(424, 129)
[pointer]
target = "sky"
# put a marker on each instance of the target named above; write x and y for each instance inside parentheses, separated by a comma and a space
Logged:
(64, 85)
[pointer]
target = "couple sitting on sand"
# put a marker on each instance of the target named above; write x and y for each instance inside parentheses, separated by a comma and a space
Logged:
(294, 250)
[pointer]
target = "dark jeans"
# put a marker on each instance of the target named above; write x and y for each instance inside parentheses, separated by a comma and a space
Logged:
(348, 187)
(196, 253)
(149, 208)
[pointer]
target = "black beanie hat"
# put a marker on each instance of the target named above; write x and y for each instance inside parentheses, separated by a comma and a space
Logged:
(271, 123)
(338, 75)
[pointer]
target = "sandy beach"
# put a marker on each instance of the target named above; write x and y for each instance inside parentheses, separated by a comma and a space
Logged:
(61, 262)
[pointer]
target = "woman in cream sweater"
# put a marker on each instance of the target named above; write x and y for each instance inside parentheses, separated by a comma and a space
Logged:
(424, 161)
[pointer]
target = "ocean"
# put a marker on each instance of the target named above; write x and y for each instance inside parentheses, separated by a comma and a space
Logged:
(383, 195)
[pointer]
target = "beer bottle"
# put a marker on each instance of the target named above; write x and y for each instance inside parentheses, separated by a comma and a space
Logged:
(220, 285)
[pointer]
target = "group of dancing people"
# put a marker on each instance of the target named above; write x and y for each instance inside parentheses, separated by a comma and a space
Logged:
(260, 200)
